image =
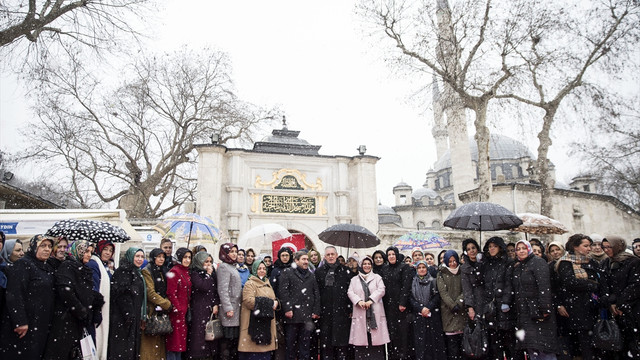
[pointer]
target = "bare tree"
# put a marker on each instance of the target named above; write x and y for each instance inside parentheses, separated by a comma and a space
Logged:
(32, 31)
(469, 46)
(563, 46)
(135, 144)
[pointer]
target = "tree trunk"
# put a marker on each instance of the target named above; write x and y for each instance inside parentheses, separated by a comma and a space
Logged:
(547, 182)
(482, 140)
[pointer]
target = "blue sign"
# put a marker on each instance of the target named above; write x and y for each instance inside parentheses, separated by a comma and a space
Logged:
(9, 228)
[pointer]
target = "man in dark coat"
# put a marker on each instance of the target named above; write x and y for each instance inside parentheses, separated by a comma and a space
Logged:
(335, 320)
(300, 304)
(29, 303)
(397, 277)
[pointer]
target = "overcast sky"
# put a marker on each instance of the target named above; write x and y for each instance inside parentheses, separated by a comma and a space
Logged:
(312, 60)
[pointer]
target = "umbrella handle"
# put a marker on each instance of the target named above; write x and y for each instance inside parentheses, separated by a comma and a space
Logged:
(190, 229)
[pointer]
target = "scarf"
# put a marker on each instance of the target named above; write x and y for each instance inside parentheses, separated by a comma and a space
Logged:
(77, 249)
(128, 257)
(421, 288)
(198, 260)
(455, 270)
(8, 249)
(225, 249)
(371, 316)
(159, 283)
(576, 261)
(330, 279)
(618, 245)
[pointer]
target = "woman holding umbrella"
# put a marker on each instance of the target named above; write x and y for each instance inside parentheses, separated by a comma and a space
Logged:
(102, 283)
(29, 303)
(128, 306)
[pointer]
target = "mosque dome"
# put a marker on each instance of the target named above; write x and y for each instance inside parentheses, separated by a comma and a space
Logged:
(422, 192)
(501, 147)
(386, 210)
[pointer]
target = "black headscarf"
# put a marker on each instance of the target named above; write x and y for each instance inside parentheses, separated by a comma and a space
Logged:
(279, 263)
(399, 256)
(376, 268)
(180, 253)
(159, 283)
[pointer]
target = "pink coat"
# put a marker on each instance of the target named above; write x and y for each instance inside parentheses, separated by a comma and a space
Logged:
(358, 335)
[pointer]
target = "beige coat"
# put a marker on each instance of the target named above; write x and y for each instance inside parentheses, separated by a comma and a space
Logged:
(254, 287)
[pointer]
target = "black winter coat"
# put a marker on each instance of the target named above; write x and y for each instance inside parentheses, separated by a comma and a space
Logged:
(497, 273)
(30, 300)
(397, 281)
(336, 308)
(623, 283)
(127, 296)
(428, 335)
(299, 293)
(77, 307)
(576, 294)
(473, 285)
(533, 299)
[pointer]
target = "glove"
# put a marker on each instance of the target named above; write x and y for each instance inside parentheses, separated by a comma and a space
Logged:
(456, 309)
(504, 307)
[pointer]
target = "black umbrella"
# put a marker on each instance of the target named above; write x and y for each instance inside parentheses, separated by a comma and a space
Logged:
(482, 216)
(90, 230)
(349, 236)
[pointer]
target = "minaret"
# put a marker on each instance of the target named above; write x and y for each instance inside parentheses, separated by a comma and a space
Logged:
(462, 170)
(439, 130)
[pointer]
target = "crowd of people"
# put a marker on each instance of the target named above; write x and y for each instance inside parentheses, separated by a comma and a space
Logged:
(530, 300)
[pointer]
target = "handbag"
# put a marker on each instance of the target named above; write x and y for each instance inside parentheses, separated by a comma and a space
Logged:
(213, 329)
(474, 340)
(606, 334)
(87, 347)
(158, 325)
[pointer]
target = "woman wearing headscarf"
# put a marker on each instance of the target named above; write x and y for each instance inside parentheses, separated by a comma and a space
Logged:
(580, 276)
(472, 279)
(397, 278)
(452, 308)
(230, 291)
(369, 332)
(534, 304)
(499, 320)
(204, 303)
(425, 305)
(59, 253)
(556, 250)
(152, 347)
(128, 306)
(622, 271)
(77, 307)
(379, 261)
(243, 270)
(11, 252)
(29, 303)
(285, 258)
(179, 294)
(102, 284)
(257, 320)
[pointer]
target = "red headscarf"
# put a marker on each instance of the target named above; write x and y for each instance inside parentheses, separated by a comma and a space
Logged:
(225, 249)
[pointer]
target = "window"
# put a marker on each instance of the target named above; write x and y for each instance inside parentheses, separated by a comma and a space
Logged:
(421, 225)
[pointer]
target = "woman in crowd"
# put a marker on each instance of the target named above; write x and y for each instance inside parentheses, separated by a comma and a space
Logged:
(623, 281)
(427, 326)
(128, 306)
(369, 331)
(230, 291)
(397, 278)
(59, 253)
(579, 276)
(416, 255)
(472, 281)
(179, 294)
(152, 347)
(314, 259)
(452, 304)
(249, 258)
(441, 258)
(597, 253)
(556, 250)
(78, 306)
(257, 321)
(499, 320)
(12, 251)
(204, 303)
(533, 301)
(379, 261)
(243, 270)
(29, 303)
(285, 258)
(635, 246)
(102, 284)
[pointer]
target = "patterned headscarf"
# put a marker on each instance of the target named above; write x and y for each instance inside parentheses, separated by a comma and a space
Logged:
(36, 241)
(225, 249)
(198, 260)
(527, 244)
(78, 248)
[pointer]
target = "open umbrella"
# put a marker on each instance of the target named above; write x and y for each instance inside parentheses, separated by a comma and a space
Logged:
(420, 239)
(261, 236)
(349, 236)
(539, 224)
(188, 225)
(482, 216)
(91, 230)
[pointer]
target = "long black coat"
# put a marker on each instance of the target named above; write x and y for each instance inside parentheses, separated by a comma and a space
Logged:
(299, 293)
(204, 296)
(127, 296)
(583, 312)
(336, 308)
(29, 301)
(497, 273)
(428, 335)
(77, 306)
(473, 285)
(533, 299)
(397, 280)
